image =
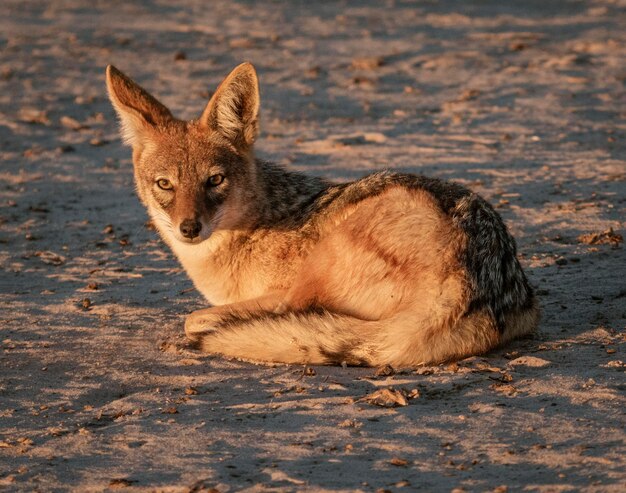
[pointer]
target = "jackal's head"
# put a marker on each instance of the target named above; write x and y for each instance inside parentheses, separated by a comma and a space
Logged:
(198, 176)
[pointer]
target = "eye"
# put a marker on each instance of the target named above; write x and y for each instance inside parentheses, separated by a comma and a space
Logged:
(215, 180)
(164, 184)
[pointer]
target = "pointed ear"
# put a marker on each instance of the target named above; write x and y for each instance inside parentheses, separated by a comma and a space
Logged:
(140, 113)
(234, 108)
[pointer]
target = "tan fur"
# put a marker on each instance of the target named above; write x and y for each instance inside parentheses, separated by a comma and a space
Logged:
(376, 280)
(389, 269)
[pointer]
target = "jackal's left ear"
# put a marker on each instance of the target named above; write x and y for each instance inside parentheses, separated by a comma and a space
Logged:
(234, 108)
(140, 113)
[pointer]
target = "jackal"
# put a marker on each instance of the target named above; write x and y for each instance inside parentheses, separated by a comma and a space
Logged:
(392, 268)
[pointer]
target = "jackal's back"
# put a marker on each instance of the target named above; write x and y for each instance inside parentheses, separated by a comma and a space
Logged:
(495, 277)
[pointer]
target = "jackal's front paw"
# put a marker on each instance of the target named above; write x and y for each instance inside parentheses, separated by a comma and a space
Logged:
(198, 323)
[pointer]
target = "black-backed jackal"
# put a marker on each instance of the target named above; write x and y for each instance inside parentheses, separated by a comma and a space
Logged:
(391, 269)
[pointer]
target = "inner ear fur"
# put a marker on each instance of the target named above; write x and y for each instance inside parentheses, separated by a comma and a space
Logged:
(140, 112)
(234, 108)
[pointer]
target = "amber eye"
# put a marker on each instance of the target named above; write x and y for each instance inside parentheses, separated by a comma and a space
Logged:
(215, 180)
(164, 184)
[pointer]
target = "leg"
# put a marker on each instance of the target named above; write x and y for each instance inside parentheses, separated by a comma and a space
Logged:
(202, 321)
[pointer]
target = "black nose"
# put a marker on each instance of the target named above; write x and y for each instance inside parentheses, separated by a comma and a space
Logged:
(190, 228)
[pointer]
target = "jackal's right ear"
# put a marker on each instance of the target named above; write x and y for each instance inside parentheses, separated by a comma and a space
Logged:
(140, 113)
(234, 108)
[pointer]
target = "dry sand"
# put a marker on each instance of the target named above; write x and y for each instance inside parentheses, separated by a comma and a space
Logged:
(523, 101)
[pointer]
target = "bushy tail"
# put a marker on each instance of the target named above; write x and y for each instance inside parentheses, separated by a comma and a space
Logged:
(310, 336)
(320, 337)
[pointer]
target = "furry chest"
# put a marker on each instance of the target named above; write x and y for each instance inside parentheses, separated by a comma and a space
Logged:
(198, 262)
(219, 279)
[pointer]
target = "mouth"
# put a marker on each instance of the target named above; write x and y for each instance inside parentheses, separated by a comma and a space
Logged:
(192, 241)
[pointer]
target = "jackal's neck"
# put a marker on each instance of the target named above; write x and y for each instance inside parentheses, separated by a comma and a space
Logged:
(284, 195)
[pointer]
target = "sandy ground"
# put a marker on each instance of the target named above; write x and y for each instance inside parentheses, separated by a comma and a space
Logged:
(523, 101)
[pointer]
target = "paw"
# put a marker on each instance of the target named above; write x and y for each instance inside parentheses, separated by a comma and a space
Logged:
(197, 325)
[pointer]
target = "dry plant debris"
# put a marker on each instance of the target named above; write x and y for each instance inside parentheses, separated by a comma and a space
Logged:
(608, 237)
(390, 397)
